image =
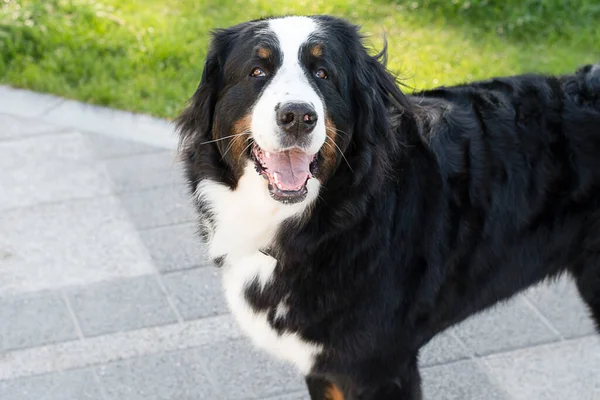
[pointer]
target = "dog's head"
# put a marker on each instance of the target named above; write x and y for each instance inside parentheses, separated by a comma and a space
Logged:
(289, 97)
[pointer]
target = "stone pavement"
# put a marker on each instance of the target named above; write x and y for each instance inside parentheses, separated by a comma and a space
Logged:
(105, 293)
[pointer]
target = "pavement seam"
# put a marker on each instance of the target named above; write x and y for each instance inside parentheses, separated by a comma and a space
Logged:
(72, 314)
(59, 131)
(472, 356)
(168, 296)
(58, 103)
(543, 318)
(81, 336)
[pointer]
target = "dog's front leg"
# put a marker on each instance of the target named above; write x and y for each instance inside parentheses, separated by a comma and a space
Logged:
(405, 387)
(374, 385)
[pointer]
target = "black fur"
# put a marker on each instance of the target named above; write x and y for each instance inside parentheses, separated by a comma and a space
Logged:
(454, 199)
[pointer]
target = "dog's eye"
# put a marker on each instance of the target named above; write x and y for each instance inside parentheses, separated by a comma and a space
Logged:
(256, 72)
(321, 74)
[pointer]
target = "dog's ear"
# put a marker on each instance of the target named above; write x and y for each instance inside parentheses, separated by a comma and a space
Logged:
(196, 121)
(377, 99)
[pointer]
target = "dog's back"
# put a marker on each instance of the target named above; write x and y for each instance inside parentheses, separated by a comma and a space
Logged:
(530, 168)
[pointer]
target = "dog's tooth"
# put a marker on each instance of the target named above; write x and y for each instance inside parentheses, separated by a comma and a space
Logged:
(267, 154)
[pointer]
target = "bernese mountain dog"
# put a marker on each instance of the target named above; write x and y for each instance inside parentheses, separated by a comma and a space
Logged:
(354, 222)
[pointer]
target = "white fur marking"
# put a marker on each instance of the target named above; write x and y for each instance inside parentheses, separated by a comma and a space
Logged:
(288, 84)
(245, 221)
(287, 346)
(281, 310)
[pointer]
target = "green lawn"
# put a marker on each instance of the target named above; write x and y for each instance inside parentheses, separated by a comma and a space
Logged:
(147, 55)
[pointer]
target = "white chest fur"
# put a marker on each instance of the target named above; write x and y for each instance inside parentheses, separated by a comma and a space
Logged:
(245, 221)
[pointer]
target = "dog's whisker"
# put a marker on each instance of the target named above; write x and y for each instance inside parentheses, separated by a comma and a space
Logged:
(246, 148)
(225, 137)
(341, 152)
(335, 130)
(230, 146)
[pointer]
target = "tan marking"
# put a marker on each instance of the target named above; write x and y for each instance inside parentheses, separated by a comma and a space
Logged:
(330, 151)
(239, 142)
(233, 147)
(316, 50)
(264, 53)
(333, 393)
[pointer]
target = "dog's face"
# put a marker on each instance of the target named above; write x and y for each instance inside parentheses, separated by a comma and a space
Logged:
(283, 95)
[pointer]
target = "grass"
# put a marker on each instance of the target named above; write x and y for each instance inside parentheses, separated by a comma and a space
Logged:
(147, 55)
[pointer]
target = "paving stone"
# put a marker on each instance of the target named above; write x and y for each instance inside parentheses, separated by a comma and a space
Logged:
(443, 348)
(145, 171)
(118, 124)
(71, 243)
(463, 380)
(507, 326)
(68, 385)
(170, 376)
(197, 293)
(121, 305)
(100, 350)
(292, 396)
(561, 304)
(566, 370)
(25, 103)
(165, 205)
(240, 371)
(176, 247)
(12, 127)
(105, 147)
(49, 168)
(34, 320)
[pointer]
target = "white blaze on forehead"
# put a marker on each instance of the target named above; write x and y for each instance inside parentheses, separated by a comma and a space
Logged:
(292, 33)
(289, 83)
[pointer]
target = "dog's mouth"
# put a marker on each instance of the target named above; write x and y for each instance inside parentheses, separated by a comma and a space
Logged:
(286, 171)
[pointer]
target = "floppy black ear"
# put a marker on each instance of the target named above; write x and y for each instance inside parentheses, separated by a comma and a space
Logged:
(196, 121)
(379, 104)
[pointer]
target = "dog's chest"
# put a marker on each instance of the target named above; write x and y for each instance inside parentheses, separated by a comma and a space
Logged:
(257, 269)
(244, 222)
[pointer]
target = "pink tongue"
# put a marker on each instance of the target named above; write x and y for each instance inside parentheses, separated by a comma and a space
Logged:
(290, 169)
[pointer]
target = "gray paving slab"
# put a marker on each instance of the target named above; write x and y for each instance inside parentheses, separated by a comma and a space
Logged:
(70, 243)
(106, 147)
(197, 293)
(561, 304)
(49, 168)
(119, 124)
(463, 380)
(104, 349)
(25, 103)
(243, 372)
(176, 247)
(507, 326)
(145, 171)
(169, 376)
(291, 396)
(15, 128)
(67, 385)
(443, 348)
(566, 370)
(34, 320)
(120, 305)
(162, 206)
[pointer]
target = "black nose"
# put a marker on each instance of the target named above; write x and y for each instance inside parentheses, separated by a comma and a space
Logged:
(296, 118)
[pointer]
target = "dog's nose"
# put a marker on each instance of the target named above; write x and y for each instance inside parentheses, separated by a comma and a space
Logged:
(296, 118)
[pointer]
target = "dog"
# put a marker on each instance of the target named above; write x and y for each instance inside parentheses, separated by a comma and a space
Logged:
(353, 222)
